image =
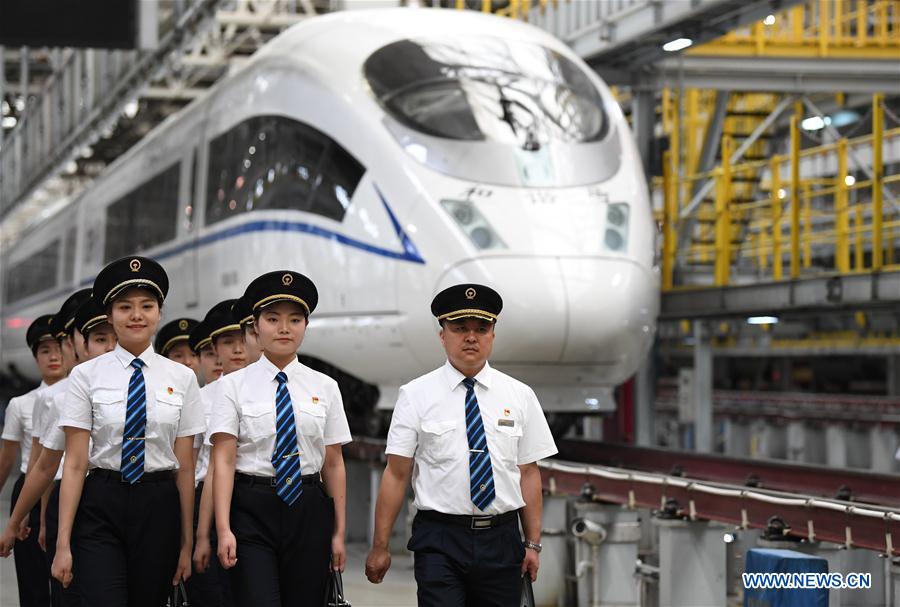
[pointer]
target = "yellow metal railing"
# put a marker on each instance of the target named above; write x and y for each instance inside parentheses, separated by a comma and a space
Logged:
(817, 28)
(836, 223)
(516, 9)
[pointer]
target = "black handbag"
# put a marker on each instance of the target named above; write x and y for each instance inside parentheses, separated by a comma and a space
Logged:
(179, 597)
(334, 591)
(527, 599)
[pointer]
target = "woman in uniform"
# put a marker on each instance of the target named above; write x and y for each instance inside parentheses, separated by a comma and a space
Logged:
(94, 337)
(172, 342)
(31, 568)
(275, 427)
(129, 418)
(209, 365)
(244, 315)
(209, 586)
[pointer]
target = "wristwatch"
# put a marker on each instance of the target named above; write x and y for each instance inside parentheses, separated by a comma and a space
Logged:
(533, 545)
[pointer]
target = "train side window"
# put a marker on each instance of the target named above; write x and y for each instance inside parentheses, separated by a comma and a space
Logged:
(33, 275)
(273, 162)
(144, 217)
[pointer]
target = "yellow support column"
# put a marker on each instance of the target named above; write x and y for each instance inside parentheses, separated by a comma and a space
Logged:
(795, 196)
(858, 240)
(842, 213)
(485, 6)
(807, 228)
(877, 181)
(723, 216)
(824, 26)
(670, 218)
(862, 22)
(796, 16)
(775, 172)
(675, 142)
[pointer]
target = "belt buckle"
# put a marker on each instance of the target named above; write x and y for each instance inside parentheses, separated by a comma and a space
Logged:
(271, 481)
(481, 522)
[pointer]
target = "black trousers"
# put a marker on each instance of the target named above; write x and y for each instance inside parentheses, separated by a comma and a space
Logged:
(59, 596)
(211, 588)
(283, 552)
(125, 542)
(457, 566)
(32, 572)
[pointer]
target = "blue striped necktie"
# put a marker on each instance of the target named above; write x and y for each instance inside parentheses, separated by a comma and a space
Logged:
(286, 457)
(481, 474)
(135, 426)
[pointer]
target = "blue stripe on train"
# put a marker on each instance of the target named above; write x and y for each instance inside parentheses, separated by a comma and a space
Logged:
(409, 253)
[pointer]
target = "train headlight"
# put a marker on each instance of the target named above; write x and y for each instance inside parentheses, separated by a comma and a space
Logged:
(616, 236)
(473, 223)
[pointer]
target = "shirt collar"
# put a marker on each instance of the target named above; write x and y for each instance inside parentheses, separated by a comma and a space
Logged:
(125, 357)
(270, 370)
(454, 377)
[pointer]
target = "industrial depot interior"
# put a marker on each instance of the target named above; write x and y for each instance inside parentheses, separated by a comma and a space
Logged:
(705, 194)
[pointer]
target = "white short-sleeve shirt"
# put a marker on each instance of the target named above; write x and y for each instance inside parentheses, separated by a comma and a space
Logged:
(97, 401)
(46, 414)
(53, 437)
(17, 423)
(428, 425)
(42, 406)
(201, 441)
(245, 408)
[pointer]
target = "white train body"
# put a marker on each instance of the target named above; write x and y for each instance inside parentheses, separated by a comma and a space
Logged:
(579, 305)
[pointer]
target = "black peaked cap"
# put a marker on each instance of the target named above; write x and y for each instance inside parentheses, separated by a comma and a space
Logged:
(127, 272)
(467, 300)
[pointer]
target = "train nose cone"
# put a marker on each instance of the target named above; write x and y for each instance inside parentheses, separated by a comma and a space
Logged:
(612, 309)
(589, 311)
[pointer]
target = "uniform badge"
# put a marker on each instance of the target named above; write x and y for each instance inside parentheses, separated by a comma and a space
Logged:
(135, 265)
(507, 423)
(506, 413)
(470, 293)
(315, 400)
(183, 324)
(170, 390)
(287, 279)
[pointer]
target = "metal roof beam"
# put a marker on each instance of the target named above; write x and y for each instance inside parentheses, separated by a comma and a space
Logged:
(768, 74)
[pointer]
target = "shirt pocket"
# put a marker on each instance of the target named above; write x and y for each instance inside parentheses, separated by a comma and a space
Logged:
(108, 415)
(311, 418)
(506, 443)
(168, 408)
(439, 442)
(108, 407)
(258, 420)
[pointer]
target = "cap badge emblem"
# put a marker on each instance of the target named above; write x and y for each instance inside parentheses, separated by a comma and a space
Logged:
(135, 265)
(470, 293)
(287, 279)
(183, 324)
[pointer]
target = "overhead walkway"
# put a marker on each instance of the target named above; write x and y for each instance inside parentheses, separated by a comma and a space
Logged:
(93, 96)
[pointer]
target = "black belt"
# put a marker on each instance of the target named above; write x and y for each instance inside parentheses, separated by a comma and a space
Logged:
(472, 522)
(269, 481)
(147, 477)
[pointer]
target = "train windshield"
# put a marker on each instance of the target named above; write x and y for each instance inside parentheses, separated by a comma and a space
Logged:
(487, 89)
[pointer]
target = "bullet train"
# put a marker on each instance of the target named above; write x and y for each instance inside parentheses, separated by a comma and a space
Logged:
(387, 154)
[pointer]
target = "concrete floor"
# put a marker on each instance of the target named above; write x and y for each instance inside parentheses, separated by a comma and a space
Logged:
(397, 590)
